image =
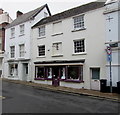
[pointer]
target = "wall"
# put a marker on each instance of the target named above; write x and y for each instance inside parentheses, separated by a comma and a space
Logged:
(94, 43)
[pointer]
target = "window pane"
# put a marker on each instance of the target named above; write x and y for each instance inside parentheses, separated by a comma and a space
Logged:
(95, 73)
(41, 50)
(79, 22)
(79, 46)
(12, 51)
(21, 50)
(73, 73)
(41, 31)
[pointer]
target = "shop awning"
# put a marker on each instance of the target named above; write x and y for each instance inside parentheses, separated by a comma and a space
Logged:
(60, 63)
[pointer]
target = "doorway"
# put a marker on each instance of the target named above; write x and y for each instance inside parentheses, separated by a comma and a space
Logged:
(95, 78)
(25, 71)
(56, 72)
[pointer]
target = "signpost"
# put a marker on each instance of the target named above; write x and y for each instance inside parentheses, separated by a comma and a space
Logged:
(109, 57)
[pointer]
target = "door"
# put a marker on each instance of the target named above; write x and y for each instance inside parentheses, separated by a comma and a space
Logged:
(95, 78)
(25, 72)
(55, 76)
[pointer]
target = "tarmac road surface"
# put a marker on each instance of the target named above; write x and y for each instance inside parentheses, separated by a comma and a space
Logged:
(20, 98)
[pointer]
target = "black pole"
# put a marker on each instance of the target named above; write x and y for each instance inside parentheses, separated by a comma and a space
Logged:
(110, 78)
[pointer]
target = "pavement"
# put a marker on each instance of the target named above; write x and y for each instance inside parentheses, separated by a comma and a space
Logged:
(73, 91)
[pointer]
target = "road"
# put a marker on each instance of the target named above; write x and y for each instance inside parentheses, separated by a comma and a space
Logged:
(26, 99)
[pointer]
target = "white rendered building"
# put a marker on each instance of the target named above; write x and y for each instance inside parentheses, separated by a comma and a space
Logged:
(112, 18)
(69, 48)
(17, 64)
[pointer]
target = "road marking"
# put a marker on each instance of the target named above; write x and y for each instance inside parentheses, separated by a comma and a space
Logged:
(1, 97)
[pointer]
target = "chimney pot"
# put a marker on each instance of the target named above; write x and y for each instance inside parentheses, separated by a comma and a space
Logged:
(1, 11)
(18, 14)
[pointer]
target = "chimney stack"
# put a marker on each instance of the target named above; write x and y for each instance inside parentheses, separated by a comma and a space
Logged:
(18, 14)
(1, 11)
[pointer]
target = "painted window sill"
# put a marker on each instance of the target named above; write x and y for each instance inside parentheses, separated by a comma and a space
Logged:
(57, 34)
(82, 53)
(80, 29)
(12, 37)
(43, 79)
(57, 55)
(42, 37)
(74, 81)
(21, 35)
(41, 57)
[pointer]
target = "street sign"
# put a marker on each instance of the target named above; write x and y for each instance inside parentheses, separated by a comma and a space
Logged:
(109, 51)
(109, 57)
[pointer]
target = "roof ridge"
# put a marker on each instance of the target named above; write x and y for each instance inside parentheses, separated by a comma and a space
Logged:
(29, 15)
(67, 13)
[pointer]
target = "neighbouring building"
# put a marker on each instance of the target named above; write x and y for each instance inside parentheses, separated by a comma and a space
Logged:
(5, 19)
(112, 18)
(68, 49)
(17, 63)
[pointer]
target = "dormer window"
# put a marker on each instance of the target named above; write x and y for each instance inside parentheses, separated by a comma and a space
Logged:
(22, 29)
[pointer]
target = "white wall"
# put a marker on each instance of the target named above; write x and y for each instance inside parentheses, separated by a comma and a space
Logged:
(94, 36)
(17, 40)
(112, 32)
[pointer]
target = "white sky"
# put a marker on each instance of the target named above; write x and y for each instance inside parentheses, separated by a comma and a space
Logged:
(55, 6)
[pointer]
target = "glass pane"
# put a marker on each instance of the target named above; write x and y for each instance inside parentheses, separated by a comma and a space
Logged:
(95, 73)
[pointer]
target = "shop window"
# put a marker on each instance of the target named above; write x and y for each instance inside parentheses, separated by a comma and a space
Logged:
(75, 73)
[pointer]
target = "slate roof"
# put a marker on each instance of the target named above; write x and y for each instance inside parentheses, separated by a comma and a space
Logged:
(70, 12)
(27, 16)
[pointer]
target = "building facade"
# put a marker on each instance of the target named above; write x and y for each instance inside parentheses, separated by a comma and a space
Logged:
(4, 20)
(17, 64)
(69, 48)
(112, 16)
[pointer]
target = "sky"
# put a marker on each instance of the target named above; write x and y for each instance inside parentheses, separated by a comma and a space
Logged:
(55, 6)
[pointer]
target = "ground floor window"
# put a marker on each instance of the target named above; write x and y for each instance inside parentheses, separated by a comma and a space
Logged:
(75, 72)
(96, 73)
(40, 72)
(61, 72)
(13, 69)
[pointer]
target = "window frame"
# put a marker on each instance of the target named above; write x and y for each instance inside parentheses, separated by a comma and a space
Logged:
(79, 22)
(41, 31)
(12, 32)
(21, 51)
(57, 49)
(43, 50)
(22, 29)
(78, 47)
(12, 51)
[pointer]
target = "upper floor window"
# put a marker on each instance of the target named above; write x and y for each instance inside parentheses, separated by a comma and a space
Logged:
(79, 46)
(12, 32)
(41, 50)
(57, 48)
(12, 51)
(57, 27)
(41, 31)
(79, 22)
(21, 50)
(22, 29)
